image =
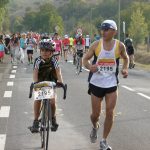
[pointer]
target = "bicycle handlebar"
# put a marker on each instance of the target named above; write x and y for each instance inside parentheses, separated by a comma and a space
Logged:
(55, 85)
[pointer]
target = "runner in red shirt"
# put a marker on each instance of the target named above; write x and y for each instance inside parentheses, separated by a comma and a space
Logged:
(58, 50)
(66, 43)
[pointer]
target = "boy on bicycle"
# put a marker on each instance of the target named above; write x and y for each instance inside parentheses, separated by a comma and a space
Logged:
(46, 68)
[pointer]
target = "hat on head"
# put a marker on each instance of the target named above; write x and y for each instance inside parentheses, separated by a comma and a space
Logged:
(109, 24)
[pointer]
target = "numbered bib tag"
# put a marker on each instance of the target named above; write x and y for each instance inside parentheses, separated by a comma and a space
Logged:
(107, 66)
(44, 93)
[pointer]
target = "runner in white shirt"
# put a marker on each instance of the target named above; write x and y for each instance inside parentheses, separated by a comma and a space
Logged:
(87, 43)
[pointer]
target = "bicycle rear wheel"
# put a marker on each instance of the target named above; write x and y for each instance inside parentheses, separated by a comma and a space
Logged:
(78, 66)
(45, 124)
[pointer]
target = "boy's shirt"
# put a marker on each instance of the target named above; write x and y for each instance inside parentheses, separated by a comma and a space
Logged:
(46, 69)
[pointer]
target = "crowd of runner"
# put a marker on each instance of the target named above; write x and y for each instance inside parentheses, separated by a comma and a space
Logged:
(17, 45)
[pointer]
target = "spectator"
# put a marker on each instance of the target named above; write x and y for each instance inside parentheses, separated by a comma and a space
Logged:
(130, 50)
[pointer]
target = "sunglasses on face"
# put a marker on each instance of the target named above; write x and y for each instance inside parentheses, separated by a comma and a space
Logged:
(106, 27)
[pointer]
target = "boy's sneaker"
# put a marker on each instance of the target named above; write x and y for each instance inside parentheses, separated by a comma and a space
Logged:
(93, 134)
(54, 125)
(35, 127)
(104, 145)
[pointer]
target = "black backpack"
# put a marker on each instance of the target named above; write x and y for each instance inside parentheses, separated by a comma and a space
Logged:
(47, 71)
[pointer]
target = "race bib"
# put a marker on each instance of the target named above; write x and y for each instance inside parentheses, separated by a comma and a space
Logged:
(44, 93)
(106, 66)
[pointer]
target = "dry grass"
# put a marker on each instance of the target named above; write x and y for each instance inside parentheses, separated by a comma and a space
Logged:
(142, 57)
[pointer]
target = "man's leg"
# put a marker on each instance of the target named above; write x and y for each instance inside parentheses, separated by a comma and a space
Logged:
(110, 99)
(96, 109)
(132, 60)
(110, 105)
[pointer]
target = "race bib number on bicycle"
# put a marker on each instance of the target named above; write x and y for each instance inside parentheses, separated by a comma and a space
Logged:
(44, 93)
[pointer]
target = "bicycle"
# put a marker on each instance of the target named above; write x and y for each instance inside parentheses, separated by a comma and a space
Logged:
(78, 59)
(44, 91)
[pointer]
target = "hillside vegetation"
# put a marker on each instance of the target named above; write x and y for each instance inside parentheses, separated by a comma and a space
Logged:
(18, 7)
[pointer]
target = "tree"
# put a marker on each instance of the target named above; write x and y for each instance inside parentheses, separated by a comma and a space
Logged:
(17, 24)
(3, 3)
(2, 11)
(44, 20)
(138, 28)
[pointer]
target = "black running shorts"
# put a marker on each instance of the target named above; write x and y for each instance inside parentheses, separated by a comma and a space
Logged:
(100, 92)
(29, 51)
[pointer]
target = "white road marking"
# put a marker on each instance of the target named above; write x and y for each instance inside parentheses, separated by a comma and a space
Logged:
(10, 83)
(14, 67)
(12, 76)
(8, 94)
(141, 94)
(71, 61)
(2, 141)
(13, 71)
(128, 88)
(4, 111)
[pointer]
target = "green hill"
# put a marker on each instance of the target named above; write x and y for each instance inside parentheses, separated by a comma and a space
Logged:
(18, 7)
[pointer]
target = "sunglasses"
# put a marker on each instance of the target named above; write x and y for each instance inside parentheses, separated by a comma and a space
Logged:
(106, 27)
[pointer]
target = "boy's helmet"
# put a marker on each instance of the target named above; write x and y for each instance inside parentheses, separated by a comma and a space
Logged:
(47, 44)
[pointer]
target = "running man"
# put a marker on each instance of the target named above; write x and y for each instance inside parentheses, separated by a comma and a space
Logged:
(103, 79)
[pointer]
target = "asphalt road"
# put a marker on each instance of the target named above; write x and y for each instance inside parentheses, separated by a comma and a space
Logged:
(132, 116)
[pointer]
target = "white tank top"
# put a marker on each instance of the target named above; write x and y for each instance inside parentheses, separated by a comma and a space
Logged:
(106, 61)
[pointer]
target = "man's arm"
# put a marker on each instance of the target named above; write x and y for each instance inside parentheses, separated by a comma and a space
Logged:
(125, 58)
(88, 56)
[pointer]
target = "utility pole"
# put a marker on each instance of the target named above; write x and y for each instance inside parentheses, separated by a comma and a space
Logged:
(91, 22)
(124, 30)
(119, 19)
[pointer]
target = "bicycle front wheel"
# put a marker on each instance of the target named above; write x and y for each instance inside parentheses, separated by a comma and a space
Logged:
(78, 66)
(45, 123)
